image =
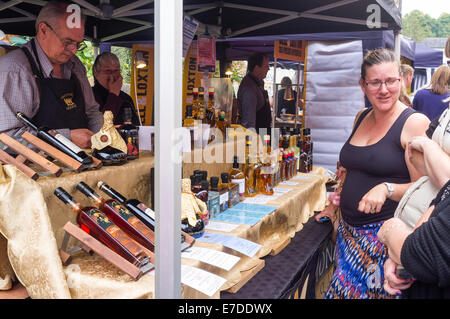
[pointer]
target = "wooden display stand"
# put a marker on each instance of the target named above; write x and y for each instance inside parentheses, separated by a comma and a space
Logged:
(26, 154)
(90, 245)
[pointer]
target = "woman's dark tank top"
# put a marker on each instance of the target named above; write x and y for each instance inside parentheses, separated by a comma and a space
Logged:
(368, 166)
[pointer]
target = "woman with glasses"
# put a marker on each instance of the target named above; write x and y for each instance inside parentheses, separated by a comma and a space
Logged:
(378, 174)
(107, 89)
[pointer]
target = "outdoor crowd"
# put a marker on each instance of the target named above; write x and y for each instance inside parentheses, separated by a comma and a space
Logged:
(392, 216)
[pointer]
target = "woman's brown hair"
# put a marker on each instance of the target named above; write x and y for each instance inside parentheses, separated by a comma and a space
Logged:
(377, 56)
(440, 81)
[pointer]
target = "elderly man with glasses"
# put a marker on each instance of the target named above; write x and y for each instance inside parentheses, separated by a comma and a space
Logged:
(46, 81)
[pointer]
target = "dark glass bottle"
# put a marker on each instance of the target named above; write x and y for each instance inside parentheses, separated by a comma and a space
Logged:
(122, 217)
(145, 214)
(130, 135)
(98, 225)
(57, 140)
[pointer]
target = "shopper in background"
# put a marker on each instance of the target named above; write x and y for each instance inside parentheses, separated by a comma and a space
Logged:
(377, 174)
(424, 252)
(107, 88)
(429, 100)
(46, 81)
(407, 76)
(287, 97)
(253, 101)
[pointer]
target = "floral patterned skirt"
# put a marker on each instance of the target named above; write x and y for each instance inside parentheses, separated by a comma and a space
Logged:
(360, 258)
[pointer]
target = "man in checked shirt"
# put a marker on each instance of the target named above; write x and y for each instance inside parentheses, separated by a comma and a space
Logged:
(46, 81)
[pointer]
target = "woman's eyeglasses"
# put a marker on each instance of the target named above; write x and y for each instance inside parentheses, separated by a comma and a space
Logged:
(376, 85)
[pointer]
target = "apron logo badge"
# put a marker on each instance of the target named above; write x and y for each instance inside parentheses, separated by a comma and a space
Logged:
(68, 100)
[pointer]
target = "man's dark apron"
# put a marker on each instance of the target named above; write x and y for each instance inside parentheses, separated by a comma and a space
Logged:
(61, 101)
(264, 114)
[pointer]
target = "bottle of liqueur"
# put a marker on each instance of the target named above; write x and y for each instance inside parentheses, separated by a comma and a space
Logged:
(203, 193)
(189, 118)
(139, 209)
(201, 104)
(294, 147)
(307, 144)
(223, 192)
(57, 140)
(303, 158)
(98, 225)
(249, 170)
(238, 177)
(210, 111)
(122, 217)
(130, 135)
(195, 103)
(145, 214)
(233, 190)
(221, 124)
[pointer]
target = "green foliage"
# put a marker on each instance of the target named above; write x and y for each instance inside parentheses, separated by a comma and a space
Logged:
(239, 69)
(125, 58)
(124, 54)
(418, 26)
(87, 57)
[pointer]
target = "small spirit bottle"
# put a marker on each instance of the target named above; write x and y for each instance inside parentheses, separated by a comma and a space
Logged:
(130, 135)
(222, 125)
(201, 104)
(249, 170)
(98, 225)
(233, 190)
(122, 217)
(189, 118)
(238, 177)
(210, 111)
(223, 192)
(195, 103)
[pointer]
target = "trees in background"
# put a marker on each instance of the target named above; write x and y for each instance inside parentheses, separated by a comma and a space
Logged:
(418, 26)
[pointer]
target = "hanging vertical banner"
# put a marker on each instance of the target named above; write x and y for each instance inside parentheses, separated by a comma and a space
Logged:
(206, 53)
(190, 26)
(142, 83)
(291, 50)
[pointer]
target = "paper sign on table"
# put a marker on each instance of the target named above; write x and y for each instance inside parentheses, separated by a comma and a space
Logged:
(281, 190)
(218, 226)
(241, 245)
(145, 137)
(289, 183)
(201, 280)
(211, 256)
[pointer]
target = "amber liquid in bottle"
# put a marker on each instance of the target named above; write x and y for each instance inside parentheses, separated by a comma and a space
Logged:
(249, 171)
(98, 225)
(122, 217)
(265, 175)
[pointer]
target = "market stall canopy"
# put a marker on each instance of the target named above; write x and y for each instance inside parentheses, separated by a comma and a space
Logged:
(240, 48)
(114, 20)
(426, 57)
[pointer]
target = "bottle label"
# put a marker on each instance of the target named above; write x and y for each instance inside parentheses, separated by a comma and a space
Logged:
(68, 143)
(223, 198)
(241, 183)
(150, 213)
(104, 222)
(131, 219)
